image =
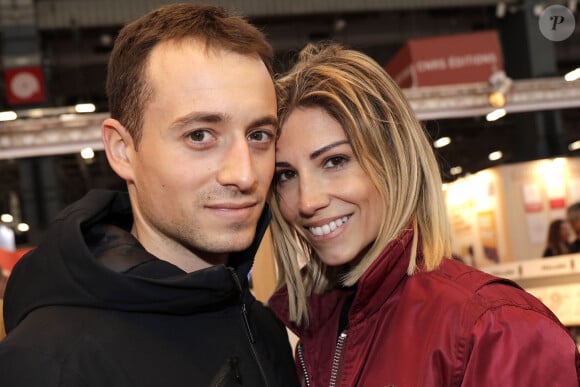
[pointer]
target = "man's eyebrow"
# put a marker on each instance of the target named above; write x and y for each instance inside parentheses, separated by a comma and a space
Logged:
(198, 117)
(265, 121)
(213, 118)
(326, 148)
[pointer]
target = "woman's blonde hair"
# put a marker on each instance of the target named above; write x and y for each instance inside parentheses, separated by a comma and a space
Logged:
(391, 147)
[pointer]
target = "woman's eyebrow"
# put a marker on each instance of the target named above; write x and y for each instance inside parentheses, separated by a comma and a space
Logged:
(326, 148)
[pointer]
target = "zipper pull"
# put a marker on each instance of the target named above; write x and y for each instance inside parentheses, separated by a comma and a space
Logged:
(234, 365)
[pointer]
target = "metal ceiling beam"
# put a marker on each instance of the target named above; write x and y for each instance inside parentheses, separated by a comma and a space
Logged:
(53, 14)
(31, 137)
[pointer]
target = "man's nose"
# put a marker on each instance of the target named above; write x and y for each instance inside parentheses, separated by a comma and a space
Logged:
(237, 168)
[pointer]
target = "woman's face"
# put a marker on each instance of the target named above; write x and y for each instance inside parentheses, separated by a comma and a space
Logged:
(564, 231)
(323, 190)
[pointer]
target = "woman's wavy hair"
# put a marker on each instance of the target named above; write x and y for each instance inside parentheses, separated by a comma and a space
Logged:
(391, 147)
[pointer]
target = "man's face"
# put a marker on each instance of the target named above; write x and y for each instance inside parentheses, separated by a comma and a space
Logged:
(202, 170)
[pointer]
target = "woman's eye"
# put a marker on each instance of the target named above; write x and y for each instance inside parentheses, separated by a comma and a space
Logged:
(284, 175)
(335, 161)
(200, 136)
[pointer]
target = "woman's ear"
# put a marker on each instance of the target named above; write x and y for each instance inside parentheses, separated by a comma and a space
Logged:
(118, 147)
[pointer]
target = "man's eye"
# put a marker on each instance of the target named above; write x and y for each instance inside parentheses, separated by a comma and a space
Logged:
(200, 135)
(260, 136)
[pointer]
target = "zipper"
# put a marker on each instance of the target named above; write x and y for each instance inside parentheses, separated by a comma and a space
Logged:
(303, 365)
(249, 333)
(337, 359)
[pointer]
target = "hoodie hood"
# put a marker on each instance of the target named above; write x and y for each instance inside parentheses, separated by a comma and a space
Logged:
(88, 258)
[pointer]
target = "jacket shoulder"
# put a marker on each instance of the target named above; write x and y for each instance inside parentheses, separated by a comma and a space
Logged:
(480, 292)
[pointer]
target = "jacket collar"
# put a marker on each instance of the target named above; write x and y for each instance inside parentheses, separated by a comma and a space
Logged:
(376, 285)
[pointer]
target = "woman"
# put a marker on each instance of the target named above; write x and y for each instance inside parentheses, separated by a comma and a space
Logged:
(558, 236)
(357, 196)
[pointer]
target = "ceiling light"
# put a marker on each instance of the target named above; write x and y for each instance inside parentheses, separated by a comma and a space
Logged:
(67, 117)
(495, 115)
(87, 153)
(456, 170)
(22, 227)
(85, 108)
(441, 142)
(573, 75)
(493, 156)
(500, 84)
(8, 116)
(574, 145)
(6, 218)
(500, 9)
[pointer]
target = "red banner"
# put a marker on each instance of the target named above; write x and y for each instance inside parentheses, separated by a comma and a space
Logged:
(446, 60)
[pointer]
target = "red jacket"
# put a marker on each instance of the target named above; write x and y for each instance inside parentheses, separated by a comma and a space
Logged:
(455, 326)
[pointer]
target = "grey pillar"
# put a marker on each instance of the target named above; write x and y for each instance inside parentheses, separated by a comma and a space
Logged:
(528, 54)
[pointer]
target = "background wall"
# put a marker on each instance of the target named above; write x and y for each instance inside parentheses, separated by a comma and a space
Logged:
(502, 214)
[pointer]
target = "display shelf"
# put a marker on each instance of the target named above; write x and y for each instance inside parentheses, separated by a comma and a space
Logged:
(555, 281)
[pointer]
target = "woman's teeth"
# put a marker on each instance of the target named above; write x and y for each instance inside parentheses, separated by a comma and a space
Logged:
(328, 228)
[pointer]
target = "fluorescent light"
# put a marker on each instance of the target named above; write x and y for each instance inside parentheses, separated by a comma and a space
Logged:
(495, 115)
(87, 153)
(67, 117)
(35, 113)
(495, 155)
(441, 142)
(572, 75)
(6, 218)
(8, 116)
(456, 170)
(22, 227)
(85, 108)
(574, 145)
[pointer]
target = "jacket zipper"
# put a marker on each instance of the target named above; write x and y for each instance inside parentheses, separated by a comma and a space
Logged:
(303, 365)
(249, 332)
(336, 361)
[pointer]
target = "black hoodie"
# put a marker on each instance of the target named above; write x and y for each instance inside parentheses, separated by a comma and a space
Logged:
(91, 307)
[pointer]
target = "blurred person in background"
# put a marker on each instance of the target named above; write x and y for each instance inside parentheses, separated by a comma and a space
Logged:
(149, 287)
(3, 279)
(573, 214)
(357, 194)
(558, 236)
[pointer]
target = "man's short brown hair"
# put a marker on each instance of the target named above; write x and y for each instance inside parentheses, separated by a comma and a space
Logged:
(127, 87)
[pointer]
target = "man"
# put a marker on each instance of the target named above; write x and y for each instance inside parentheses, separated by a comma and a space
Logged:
(150, 288)
(573, 214)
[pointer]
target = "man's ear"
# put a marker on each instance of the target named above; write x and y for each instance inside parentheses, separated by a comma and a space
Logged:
(118, 147)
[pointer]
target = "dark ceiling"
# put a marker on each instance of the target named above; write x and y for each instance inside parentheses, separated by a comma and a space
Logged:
(74, 59)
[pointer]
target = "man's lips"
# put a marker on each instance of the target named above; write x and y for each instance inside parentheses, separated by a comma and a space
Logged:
(231, 206)
(233, 211)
